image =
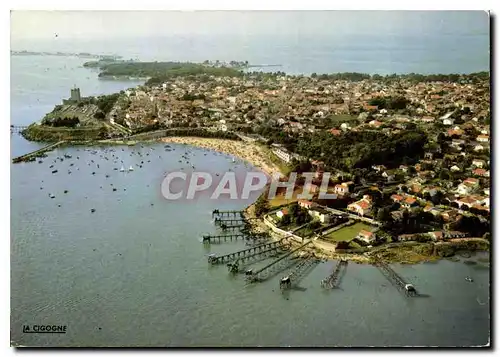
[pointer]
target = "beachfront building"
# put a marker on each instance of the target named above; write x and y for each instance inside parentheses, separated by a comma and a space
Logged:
(282, 153)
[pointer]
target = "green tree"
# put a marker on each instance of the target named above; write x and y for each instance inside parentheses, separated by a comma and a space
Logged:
(261, 205)
(384, 215)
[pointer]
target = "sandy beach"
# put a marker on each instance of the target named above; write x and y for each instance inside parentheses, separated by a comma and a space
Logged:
(249, 152)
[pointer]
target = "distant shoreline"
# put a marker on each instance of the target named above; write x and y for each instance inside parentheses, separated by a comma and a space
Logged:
(65, 54)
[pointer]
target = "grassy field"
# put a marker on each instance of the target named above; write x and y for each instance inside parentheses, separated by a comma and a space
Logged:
(347, 233)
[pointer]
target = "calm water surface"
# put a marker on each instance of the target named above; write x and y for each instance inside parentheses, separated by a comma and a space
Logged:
(134, 273)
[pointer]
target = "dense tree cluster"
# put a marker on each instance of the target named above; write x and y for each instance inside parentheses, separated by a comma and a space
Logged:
(106, 102)
(472, 225)
(348, 76)
(69, 122)
(415, 221)
(296, 215)
(189, 96)
(362, 149)
(390, 102)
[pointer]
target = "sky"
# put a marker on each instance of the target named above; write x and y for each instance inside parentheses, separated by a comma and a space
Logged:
(90, 25)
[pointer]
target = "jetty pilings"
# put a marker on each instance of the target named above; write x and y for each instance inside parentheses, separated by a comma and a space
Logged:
(217, 212)
(263, 273)
(247, 253)
(32, 155)
(333, 280)
(395, 278)
(298, 272)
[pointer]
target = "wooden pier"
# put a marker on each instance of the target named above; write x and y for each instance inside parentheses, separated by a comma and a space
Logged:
(264, 272)
(17, 128)
(228, 220)
(298, 272)
(241, 264)
(224, 237)
(217, 212)
(247, 253)
(396, 279)
(226, 227)
(211, 238)
(32, 155)
(333, 280)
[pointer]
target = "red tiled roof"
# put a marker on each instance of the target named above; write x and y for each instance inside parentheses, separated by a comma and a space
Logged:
(452, 132)
(363, 204)
(466, 199)
(410, 200)
(471, 180)
(366, 233)
(397, 197)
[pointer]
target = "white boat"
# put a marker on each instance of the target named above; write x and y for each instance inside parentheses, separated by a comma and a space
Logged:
(234, 160)
(131, 168)
(122, 169)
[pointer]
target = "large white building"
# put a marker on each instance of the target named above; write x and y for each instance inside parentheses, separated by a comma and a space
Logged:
(283, 154)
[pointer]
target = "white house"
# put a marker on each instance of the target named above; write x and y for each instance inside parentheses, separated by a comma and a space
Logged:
(467, 186)
(362, 206)
(388, 175)
(323, 215)
(483, 138)
(448, 121)
(478, 163)
(306, 204)
(455, 168)
(341, 189)
(345, 126)
(366, 236)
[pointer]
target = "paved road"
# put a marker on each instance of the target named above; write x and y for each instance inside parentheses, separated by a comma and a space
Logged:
(352, 216)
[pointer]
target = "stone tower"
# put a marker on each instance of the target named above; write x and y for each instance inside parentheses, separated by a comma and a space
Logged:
(75, 95)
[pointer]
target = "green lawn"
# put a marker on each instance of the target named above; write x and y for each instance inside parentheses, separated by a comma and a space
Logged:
(348, 233)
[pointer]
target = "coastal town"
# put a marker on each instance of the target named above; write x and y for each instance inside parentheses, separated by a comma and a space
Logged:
(408, 157)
